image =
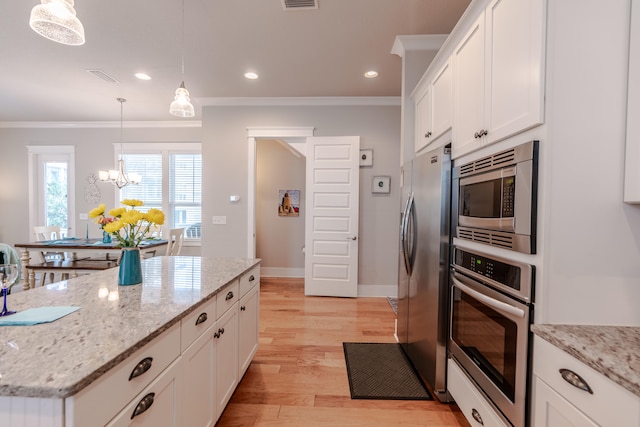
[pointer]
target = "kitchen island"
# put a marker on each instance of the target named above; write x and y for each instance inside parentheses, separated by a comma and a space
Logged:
(96, 365)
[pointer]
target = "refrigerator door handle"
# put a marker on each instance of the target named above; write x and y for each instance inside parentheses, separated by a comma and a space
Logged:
(409, 215)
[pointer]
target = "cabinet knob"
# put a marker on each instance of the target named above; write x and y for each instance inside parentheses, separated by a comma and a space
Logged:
(144, 404)
(251, 278)
(202, 318)
(221, 331)
(428, 134)
(575, 380)
(229, 296)
(243, 308)
(143, 366)
(480, 133)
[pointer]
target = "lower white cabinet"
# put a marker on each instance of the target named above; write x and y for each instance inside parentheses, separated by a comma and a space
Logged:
(249, 319)
(569, 393)
(157, 405)
(475, 408)
(226, 358)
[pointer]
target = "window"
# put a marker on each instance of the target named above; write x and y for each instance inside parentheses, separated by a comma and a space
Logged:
(171, 181)
(51, 178)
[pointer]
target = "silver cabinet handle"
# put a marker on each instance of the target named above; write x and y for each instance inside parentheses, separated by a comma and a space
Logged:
(575, 380)
(143, 366)
(144, 404)
(476, 416)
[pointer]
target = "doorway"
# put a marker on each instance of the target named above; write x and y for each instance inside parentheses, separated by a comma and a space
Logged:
(331, 215)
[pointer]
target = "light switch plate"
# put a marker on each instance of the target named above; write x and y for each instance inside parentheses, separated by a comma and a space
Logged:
(219, 220)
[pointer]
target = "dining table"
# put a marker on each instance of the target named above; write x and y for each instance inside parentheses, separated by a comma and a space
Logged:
(84, 254)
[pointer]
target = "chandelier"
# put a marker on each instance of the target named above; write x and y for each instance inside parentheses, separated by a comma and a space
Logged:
(119, 177)
(57, 21)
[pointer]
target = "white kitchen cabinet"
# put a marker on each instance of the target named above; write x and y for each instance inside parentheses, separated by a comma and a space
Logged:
(473, 405)
(248, 318)
(157, 405)
(198, 366)
(498, 75)
(632, 152)
(558, 403)
(226, 358)
(433, 106)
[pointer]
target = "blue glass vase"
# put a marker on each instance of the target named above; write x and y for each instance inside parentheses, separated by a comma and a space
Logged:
(106, 237)
(130, 272)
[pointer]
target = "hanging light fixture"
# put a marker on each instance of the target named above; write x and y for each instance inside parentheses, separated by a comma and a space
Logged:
(181, 105)
(57, 21)
(118, 177)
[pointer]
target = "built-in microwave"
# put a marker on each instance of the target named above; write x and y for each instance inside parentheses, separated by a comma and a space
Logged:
(496, 198)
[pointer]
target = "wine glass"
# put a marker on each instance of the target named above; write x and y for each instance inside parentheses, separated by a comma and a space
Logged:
(8, 275)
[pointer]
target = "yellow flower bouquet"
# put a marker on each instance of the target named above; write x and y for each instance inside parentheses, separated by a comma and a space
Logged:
(129, 226)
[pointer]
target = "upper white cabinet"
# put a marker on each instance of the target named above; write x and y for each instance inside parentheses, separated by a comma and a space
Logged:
(632, 164)
(498, 75)
(433, 100)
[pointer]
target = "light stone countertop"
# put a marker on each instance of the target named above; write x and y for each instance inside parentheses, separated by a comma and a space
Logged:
(58, 359)
(613, 351)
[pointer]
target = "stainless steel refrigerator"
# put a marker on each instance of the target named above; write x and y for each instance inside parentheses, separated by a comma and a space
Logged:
(423, 291)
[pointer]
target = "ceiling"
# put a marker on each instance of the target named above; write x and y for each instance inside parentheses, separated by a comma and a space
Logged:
(297, 53)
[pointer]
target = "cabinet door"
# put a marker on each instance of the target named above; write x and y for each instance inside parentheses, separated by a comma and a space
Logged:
(442, 102)
(552, 410)
(423, 118)
(469, 90)
(249, 316)
(157, 405)
(515, 57)
(198, 370)
(226, 358)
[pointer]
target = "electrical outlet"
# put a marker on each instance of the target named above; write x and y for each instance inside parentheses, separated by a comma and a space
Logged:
(219, 220)
(84, 216)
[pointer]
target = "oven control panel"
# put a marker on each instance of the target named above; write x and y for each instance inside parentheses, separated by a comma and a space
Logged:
(497, 271)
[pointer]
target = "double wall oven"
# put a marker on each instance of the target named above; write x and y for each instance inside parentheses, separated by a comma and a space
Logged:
(491, 311)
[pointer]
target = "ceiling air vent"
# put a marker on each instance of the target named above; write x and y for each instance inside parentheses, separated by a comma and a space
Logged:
(299, 4)
(102, 75)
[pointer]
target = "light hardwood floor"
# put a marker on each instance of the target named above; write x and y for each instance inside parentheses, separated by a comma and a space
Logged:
(298, 376)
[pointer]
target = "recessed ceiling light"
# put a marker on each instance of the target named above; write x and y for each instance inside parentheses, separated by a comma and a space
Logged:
(371, 74)
(251, 76)
(143, 76)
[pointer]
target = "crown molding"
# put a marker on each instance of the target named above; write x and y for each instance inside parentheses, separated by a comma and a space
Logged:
(105, 124)
(320, 101)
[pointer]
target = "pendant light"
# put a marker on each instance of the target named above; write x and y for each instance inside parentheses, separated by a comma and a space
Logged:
(57, 21)
(181, 105)
(118, 177)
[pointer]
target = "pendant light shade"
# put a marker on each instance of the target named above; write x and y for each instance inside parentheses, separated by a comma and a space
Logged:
(57, 21)
(181, 105)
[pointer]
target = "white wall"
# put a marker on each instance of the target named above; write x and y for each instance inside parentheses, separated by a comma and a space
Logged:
(279, 239)
(225, 151)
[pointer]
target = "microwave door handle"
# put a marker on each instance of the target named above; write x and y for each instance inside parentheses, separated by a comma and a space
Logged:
(493, 303)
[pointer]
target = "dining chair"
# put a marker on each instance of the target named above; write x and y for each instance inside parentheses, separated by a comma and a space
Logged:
(48, 232)
(175, 238)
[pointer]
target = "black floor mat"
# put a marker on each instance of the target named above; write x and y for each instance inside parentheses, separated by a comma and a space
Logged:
(382, 371)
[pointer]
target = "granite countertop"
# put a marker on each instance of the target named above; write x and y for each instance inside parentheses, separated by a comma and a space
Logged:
(613, 351)
(58, 359)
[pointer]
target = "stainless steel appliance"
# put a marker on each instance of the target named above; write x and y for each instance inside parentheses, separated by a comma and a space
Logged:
(491, 311)
(424, 262)
(496, 199)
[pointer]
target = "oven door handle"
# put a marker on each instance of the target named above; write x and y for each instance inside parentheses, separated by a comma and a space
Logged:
(493, 303)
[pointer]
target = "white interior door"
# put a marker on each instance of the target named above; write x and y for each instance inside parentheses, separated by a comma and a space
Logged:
(331, 219)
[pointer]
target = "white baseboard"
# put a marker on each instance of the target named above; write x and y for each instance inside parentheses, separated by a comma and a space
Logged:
(282, 272)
